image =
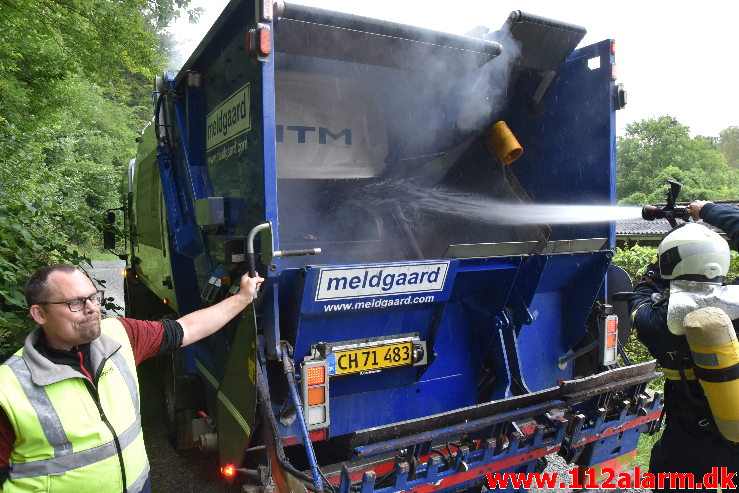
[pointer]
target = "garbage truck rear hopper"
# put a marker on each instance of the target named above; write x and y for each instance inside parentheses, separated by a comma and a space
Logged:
(413, 333)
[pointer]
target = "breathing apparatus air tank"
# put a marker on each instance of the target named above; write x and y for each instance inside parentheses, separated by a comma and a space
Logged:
(715, 349)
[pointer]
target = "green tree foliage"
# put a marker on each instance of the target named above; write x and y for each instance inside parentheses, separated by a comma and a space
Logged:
(728, 144)
(75, 79)
(658, 149)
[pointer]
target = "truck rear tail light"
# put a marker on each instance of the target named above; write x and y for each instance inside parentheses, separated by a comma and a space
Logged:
(609, 340)
(315, 393)
(613, 47)
(259, 41)
(316, 375)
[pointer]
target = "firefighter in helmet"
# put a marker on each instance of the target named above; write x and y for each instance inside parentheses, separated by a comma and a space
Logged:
(687, 280)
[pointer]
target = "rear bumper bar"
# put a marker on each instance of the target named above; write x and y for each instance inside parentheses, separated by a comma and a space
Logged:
(570, 392)
(568, 418)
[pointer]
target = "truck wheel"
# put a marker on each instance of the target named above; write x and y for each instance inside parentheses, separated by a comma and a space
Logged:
(181, 403)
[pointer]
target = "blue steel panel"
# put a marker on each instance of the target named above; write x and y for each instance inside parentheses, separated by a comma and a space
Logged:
(539, 358)
(195, 175)
(269, 122)
(379, 407)
(196, 137)
(569, 146)
(460, 333)
(560, 308)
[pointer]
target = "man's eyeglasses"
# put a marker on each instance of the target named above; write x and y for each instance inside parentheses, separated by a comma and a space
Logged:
(78, 304)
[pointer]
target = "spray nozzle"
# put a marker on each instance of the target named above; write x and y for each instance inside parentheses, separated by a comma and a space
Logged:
(668, 211)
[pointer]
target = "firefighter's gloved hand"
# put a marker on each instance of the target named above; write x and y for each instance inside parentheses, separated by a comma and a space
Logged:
(653, 274)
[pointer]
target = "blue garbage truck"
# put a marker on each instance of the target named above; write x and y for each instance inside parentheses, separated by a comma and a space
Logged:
(413, 332)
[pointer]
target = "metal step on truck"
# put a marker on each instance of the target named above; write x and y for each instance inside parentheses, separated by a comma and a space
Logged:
(412, 334)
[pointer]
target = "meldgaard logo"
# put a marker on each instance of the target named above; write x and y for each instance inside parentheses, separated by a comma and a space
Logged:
(228, 119)
(381, 280)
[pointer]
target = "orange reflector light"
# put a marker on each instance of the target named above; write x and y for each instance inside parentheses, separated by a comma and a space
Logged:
(228, 471)
(124, 272)
(316, 375)
(316, 395)
(611, 340)
(165, 301)
(265, 41)
(612, 325)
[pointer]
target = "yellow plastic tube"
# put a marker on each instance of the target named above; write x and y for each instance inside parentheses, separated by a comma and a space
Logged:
(503, 144)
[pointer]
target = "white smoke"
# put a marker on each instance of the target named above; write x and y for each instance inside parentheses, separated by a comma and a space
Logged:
(486, 96)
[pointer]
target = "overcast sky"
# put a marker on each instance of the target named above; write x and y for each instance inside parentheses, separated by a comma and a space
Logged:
(674, 58)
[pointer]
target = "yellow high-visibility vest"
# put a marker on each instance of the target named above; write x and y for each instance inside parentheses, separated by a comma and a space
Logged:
(68, 439)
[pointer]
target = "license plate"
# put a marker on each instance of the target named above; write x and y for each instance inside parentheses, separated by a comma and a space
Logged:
(370, 358)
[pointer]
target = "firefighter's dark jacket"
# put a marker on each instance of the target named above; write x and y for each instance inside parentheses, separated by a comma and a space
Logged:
(684, 398)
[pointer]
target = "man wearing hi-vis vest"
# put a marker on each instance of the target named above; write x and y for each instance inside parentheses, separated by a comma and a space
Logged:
(688, 320)
(69, 399)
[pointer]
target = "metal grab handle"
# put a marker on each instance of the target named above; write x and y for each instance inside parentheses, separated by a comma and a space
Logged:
(272, 253)
(296, 253)
(250, 246)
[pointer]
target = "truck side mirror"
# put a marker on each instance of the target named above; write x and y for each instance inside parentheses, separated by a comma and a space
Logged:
(108, 232)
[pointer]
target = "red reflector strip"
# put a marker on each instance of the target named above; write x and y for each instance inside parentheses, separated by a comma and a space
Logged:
(316, 375)
(612, 325)
(315, 436)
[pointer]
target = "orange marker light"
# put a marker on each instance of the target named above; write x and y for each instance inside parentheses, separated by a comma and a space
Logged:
(228, 471)
(265, 41)
(611, 340)
(316, 375)
(316, 395)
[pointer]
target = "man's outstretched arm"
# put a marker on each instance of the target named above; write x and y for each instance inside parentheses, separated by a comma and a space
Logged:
(202, 323)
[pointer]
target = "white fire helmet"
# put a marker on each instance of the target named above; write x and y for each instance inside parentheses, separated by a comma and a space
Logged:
(695, 253)
(696, 260)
